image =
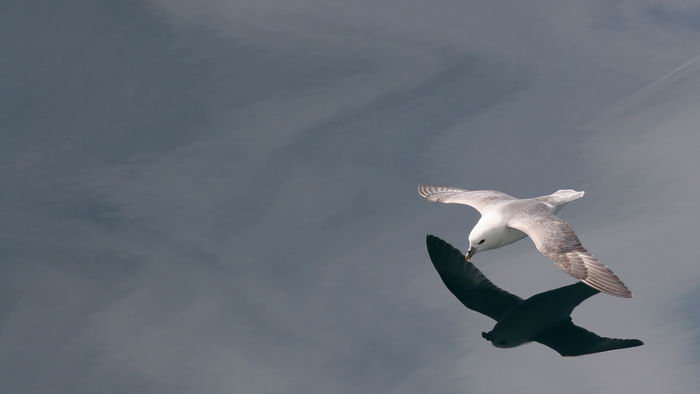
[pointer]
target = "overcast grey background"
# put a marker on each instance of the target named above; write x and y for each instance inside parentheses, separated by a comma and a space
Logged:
(220, 196)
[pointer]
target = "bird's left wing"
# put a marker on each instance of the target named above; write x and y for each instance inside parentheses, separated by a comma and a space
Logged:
(467, 283)
(569, 339)
(477, 199)
(556, 240)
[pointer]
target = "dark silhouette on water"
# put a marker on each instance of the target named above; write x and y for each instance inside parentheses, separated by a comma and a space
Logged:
(543, 318)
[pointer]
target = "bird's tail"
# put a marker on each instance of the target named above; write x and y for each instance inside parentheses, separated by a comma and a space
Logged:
(561, 197)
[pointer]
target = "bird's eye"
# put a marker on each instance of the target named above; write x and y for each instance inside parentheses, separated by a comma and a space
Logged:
(481, 242)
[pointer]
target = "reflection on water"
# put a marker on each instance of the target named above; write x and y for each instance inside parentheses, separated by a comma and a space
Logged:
(543, 318)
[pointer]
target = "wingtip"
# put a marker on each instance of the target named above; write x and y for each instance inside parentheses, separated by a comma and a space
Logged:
(423, 190)
(626, 293)
(622, 291)
(430, 192)
(628, 343)
(605, 281)
(432, 241)
(623, 294)
(436, 243)
(443, 255)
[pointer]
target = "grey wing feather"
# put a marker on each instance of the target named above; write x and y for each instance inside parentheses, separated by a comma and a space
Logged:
(467, 283)
(556, 240)
(569, 339)
(478, 199)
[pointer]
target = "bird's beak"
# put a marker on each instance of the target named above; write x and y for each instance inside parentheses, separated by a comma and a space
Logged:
(470, 252)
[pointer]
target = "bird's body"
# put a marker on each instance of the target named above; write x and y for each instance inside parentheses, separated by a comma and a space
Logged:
(493, 226)
(506, 219)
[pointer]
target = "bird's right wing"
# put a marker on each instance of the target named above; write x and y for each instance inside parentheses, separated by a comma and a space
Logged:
(467, 283)
(477, 199)
(569, 339)
(554, 238)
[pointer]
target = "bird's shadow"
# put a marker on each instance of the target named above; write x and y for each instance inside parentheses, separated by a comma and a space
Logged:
(543, 318)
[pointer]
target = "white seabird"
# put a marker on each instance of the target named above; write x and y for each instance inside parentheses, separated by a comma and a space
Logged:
(506, 219)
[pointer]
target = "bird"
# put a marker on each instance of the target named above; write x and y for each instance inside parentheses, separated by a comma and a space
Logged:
(544, 318)
(506, 219)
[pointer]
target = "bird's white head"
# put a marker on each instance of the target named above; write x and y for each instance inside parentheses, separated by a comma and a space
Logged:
(482, 238)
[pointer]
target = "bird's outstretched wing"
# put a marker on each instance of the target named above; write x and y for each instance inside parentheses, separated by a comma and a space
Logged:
(569, 339)
(556, 240)
(478, 199)
(467, 283)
